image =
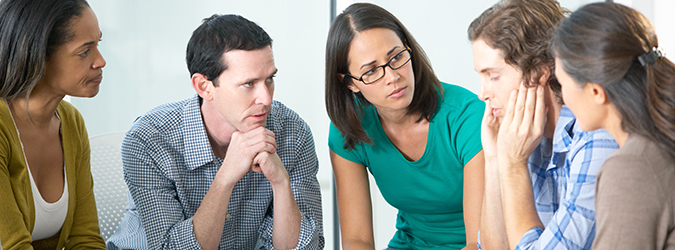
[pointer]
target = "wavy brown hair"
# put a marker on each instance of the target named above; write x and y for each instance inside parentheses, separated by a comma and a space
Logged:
(521, 30)
(601, 43)
(346, 107)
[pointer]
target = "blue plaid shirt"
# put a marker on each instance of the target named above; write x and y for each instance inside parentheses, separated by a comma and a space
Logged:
(563, 172)
(169, 166)
(563, 180)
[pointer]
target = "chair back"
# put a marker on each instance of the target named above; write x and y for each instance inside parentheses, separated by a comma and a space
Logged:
(109, 187)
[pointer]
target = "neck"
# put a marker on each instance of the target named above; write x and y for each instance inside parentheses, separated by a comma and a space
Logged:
(552, 114)
(613, 126)
(218, 131)
(391, 118)
(39, 109)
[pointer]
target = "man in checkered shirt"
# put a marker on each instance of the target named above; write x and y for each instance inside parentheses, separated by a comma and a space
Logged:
(228, 168)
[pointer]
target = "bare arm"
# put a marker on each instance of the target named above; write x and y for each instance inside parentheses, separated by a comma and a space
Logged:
(519, 135)
(474, 172)
(492, 231)
(354, 203)
(286, 226)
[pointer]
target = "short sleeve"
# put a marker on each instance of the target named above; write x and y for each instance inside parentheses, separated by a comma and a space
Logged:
(467, 129)
(336, 142)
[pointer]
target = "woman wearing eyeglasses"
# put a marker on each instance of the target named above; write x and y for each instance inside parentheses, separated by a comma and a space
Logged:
(615, 76)
(419, 138)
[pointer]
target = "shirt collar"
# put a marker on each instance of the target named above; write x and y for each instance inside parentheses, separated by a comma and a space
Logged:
(198, 151)
(565, 130)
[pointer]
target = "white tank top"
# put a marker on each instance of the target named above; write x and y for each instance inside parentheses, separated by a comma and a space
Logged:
(49, 217)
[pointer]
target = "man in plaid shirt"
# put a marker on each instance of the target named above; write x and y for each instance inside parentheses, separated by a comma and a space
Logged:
(540, 167)
(228, 168)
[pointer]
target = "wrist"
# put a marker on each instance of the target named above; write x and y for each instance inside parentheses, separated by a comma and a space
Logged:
(283, 182)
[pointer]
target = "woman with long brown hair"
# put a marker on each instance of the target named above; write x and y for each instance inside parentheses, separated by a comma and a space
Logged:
(615, 76)
(48, 49)
(419, 137)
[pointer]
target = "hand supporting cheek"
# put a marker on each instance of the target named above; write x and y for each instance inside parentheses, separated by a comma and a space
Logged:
(489, 131)
(522, 126)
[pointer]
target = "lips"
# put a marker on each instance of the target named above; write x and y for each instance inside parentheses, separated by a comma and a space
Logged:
(496, 111)
(397, 92)
(97, 79)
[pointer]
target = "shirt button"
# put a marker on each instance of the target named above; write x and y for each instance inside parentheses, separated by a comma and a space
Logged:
(228, 216)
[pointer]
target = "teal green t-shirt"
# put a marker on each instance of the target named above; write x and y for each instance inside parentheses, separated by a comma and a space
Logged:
(427, 192)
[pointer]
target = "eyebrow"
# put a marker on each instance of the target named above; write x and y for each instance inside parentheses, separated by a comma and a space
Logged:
(91, 42)
(255, 79)
(373, 62)
(488, 69)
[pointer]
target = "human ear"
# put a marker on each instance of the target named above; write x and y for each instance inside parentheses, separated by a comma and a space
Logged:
(202, 85)
(597, 92)
(353, 88)
(545, 74)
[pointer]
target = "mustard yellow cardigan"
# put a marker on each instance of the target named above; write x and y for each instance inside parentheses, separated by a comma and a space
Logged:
(17, 212)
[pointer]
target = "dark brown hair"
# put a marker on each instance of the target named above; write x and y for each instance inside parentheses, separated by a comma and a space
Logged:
(601, 43)
(521, 30)
(346, 107)
(30, 32)
(219, 34)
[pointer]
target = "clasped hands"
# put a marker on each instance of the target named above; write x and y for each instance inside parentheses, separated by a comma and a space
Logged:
(512, 138)
(254, 150)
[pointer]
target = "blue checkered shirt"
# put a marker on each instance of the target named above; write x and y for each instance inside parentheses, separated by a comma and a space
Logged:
(563, 179)
(169, 166)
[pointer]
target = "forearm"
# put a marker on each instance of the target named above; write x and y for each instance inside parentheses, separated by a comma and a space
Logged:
(492, 231)
(357, 244)
(287, 218)
(209, 220)
(520, 213)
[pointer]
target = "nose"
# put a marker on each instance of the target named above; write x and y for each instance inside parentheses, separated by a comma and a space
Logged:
(264, 95)
(483, 92)
(99, 62)
(391, 76)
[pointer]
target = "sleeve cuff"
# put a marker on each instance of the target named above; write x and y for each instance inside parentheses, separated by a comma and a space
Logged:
(529, 238)
(308, 238)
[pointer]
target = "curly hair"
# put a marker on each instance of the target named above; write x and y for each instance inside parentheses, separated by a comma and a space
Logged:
(521, 30)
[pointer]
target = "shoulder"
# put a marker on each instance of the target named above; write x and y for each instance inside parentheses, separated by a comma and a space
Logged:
(638, 158)
(163, 118)
(459, 102)
(69, 114)
(283, 119)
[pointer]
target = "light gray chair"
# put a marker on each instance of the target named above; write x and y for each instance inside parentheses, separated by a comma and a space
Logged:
(109, 187)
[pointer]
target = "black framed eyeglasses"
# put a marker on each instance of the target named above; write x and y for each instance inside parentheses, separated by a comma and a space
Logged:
(375, 74)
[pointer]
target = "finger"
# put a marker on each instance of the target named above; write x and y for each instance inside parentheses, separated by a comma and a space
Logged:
(508, 115)
(519, 108)
(528, 112)
(540, 110)
(256, 168)
(487, 114)
(271, 138)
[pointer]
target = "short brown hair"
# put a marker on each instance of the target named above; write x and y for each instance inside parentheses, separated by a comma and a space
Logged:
(522, 30)
(345, 107)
